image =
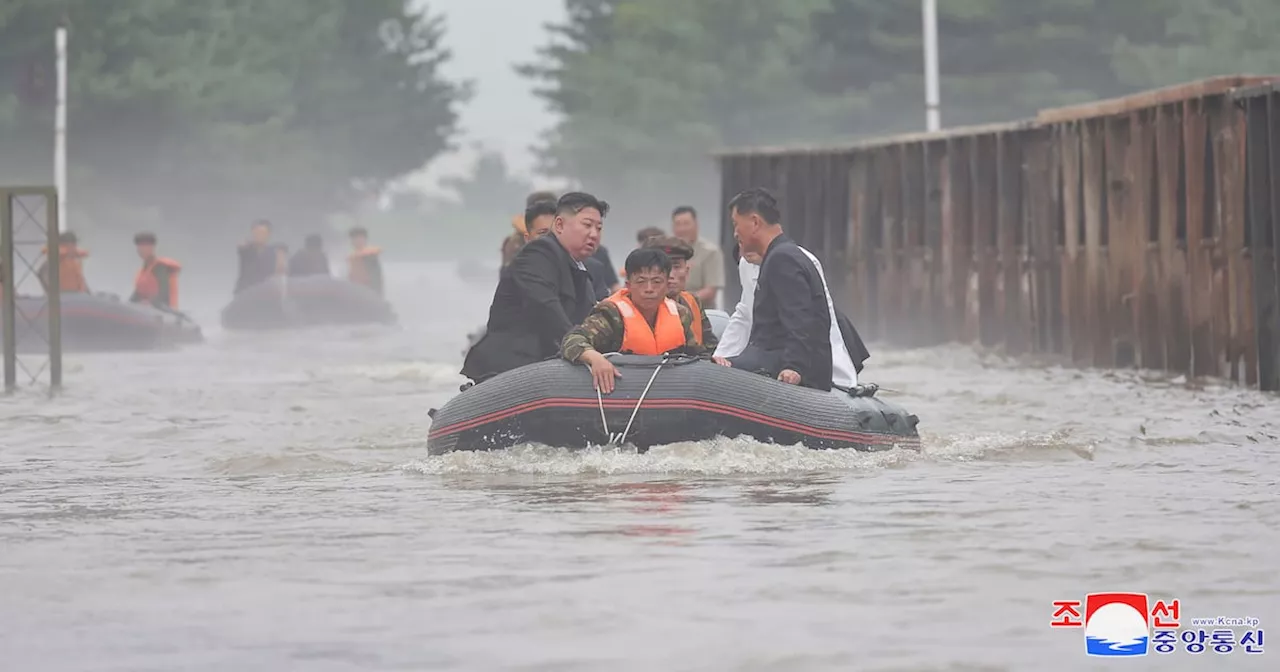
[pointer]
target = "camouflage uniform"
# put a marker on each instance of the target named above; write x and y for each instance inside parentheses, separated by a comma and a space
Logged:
(603, 329)
(709, 340)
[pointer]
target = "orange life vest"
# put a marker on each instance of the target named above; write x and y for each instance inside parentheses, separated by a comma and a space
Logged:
(70, 268)
(691, 302)
(637, 337)
(357, 272)
(147, 286)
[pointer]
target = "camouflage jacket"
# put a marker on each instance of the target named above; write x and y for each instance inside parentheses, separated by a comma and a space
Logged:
(602, 331)
(709, 340)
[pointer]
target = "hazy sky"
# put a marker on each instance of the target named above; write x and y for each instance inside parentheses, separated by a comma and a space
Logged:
(488, 38)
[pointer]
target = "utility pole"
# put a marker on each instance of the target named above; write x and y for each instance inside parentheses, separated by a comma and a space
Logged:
(60, 127)
(932, 105)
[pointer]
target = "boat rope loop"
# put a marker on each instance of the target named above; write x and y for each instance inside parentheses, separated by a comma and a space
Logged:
(620, 439)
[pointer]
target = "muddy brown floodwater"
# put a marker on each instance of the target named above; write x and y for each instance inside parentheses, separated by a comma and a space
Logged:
(268, 504)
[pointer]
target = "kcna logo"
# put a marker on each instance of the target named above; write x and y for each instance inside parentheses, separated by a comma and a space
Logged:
(1121, 624)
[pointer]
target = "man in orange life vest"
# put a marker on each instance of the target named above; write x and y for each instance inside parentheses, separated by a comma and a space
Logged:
(70, 265)
(363, 265)
(157, 280)
(638, 319)
(681, 253)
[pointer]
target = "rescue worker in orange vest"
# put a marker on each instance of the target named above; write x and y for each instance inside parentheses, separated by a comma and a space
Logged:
(638, 319)
(363, 264)
(521, 232)
(157, 280)
(680, 253)
(70, 265)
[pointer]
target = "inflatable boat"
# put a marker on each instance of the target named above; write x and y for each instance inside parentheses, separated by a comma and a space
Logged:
(657, 401)
(285, 302)
(102, 323)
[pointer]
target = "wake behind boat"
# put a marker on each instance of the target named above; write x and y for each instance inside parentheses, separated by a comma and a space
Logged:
(102, 323)
(658, 401)
(316, 300)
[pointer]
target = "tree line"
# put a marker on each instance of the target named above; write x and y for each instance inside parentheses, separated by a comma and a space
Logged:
(646, 88)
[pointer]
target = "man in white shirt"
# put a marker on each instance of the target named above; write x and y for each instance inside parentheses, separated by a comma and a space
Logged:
(734, 338)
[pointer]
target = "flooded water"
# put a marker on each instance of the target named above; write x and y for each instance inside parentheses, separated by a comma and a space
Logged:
(268, 504)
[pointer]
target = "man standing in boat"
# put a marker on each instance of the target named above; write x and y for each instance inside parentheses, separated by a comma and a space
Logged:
(311, 259)
(260, 259)
(680, 254)
(543, 293)
(791, 322)
(157, 280)
(638, 320)
(522, 232)
(364, 264)
(70, 265)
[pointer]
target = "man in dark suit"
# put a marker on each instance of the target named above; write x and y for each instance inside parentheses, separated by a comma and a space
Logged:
(543, 293)
(791, 320)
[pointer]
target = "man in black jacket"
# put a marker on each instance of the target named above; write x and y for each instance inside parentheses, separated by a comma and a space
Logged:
(543, 293)
(790, 323)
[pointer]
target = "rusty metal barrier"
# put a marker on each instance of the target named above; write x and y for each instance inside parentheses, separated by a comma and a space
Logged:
(1135, 232)
(28, 227)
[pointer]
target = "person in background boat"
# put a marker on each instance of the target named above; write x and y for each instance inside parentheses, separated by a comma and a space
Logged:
(847, 349)
(157, 281)
(646, 233)
(790, 322)
(311, 259)
(542, 294)
(680, 253)
(522, 234)
(706, 276)
(70, 265)
(260, 259)
(364, 264)
(638, 320)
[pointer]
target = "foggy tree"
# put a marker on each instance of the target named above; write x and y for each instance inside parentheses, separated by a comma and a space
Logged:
(221, 110)
(646, 88)
(999, 59)
(1205, 39)
(489, 188)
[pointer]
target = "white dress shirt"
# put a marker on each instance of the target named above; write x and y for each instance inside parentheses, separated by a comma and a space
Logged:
(736, 334)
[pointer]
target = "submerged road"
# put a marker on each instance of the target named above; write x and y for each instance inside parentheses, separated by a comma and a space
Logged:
(268, 504)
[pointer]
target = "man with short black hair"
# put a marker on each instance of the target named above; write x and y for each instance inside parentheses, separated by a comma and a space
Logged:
(543, 293)
(706, 272)
(791, 324)
(680, 253)
(522, 234)
(259, 258)
(639, 319)
(311, 259)
(157, 281)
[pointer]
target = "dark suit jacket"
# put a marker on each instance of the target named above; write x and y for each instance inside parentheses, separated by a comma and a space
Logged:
(541, 295)
(790, 315)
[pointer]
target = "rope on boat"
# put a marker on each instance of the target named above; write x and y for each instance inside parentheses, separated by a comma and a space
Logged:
(620, 439)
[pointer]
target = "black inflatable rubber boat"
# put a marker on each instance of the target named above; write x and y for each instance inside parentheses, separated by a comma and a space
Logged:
(284, 303)
(659, 401)
(102, 323)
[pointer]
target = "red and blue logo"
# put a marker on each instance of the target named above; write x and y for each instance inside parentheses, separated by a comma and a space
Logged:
(1116, 624)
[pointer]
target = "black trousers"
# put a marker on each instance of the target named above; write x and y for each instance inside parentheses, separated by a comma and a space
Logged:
(758, 360)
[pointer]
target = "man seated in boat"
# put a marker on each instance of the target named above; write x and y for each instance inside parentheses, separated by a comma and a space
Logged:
(543, 292)
(681, 253)
(848, 352)
(157, 280)
(791, 322)
(364, 264)
(639, 319)
(70, 266)
(259, 258)
(311, 259)
(522, 232)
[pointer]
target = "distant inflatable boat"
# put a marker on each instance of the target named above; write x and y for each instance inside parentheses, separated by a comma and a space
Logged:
(660, 401)
(284, 303)
(102, 323)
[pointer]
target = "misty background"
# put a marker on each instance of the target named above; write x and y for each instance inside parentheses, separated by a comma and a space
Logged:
(429, 121)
